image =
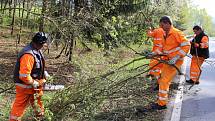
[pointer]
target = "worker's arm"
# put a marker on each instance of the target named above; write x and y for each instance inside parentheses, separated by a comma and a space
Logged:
(204, 42)
(151, 33)
(184, 45)
(26, 66)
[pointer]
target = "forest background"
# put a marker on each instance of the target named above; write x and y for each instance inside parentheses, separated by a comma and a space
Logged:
(95, 49)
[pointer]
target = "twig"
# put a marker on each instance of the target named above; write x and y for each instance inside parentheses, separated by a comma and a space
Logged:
(4, 90)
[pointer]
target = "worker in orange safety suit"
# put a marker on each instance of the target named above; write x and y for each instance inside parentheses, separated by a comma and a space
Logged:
(175, 47)
(29, 78)
(199, 51)
(155, 70)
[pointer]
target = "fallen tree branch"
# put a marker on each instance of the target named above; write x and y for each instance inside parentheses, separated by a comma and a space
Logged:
(5, 90)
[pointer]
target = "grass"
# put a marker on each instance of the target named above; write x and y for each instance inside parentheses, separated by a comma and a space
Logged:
(127, 94)
(5, 105)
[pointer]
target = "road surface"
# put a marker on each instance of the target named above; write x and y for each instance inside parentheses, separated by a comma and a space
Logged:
(199, 102)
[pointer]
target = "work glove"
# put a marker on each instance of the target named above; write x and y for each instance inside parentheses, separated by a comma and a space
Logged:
(173, 60)
(146, 51)
(189, 55)
(196, 45)
(41, 82)
(149, 32)
(35, 84)
(46, 74)
(150, 55)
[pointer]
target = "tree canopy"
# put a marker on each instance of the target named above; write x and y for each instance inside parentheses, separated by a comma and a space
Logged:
(107, 23)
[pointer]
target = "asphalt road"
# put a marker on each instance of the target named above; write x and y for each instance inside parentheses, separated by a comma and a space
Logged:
(199, 102)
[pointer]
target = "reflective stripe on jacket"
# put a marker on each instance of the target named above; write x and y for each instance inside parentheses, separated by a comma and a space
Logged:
(157, 35)
(203, 49)
(26, 56)
(175, 44)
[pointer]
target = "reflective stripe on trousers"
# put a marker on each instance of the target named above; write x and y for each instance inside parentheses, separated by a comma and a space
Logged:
(156, 70)
(168, 73)
(22, 101)
(195, 67)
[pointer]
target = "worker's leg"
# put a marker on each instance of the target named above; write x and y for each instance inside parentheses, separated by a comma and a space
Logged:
(155, 71)
(40, 104)
(37, 104)
(39, 101)
(20, 103)
(196, 63)
(168, 73)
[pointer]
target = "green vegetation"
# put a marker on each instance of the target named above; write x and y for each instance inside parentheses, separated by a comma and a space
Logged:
(88, 46)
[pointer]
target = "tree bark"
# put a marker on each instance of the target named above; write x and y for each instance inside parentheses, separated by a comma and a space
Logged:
(5, 5)
(42, 20)
(2, 2)
(10, 4)
(13, 19)
(21, 22)
(71, 46)
(29, 7)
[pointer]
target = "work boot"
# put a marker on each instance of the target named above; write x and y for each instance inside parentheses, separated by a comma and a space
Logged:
(197, 82)
(156, 106)
(192, 82)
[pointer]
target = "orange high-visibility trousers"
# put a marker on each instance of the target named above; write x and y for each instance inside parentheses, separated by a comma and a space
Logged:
(21, 102)
(168, 73)
(196, 64)
(155, 68)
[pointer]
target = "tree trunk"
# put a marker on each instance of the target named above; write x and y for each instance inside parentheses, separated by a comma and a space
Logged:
(13, 19)
(2, 2)
(1, 19)
(42, 20)
(10, 5)
(5, 5)
(71, 46)
(21, 22)
(63, 7)
(29, 7)
(19, 8)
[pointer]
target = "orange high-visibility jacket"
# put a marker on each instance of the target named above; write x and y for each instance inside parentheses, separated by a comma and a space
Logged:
(26, 66)
(175, 44)
(29, 66)
(157, 35)
(199, 46)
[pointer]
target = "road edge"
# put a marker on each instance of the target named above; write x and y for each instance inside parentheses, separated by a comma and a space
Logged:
(174, 107)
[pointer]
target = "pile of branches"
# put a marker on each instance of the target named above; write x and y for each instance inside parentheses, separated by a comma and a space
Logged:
(88, 97)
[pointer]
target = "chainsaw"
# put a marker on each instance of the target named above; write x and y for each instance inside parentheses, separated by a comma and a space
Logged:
(51, 87)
